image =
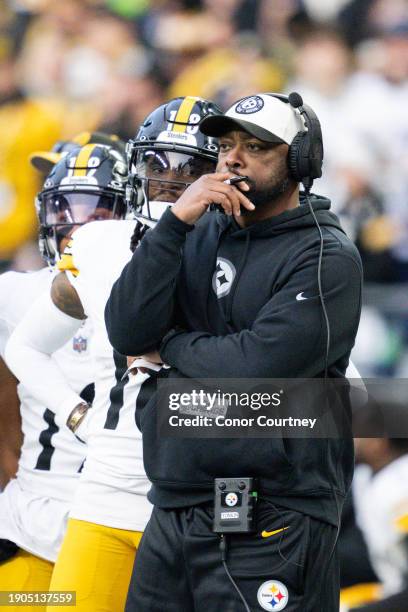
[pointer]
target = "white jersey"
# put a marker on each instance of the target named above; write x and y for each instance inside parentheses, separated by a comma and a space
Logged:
(34, 506)
(113, 484)
(381, 502)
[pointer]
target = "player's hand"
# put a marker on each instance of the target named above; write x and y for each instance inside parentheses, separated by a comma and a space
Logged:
(212, 189)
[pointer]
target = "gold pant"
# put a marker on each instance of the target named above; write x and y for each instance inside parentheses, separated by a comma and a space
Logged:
(25, 572)
(96, 562)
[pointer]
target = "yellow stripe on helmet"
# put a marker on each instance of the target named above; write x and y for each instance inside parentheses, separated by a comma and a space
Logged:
(81, 163)
(183, 114)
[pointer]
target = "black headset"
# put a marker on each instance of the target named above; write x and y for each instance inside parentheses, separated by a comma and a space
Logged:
(305, 158)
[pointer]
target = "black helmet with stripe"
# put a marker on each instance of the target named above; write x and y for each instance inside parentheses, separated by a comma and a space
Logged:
(43, 161)
(87, 184)
(168, 153)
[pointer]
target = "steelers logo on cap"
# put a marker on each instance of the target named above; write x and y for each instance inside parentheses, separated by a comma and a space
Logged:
(253, 104)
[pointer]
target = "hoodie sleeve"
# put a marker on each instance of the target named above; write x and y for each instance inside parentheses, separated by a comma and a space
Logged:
(288, 337)
(145, 290)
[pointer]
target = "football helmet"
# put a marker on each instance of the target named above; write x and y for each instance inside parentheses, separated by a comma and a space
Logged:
(168, 154)
(43, 161)
(87, 184)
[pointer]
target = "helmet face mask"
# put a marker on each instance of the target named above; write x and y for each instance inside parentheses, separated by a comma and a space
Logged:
(168, 154)
(163, 175)
(88, 184)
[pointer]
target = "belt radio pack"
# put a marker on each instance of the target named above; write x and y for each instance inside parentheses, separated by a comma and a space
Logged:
(234, 505)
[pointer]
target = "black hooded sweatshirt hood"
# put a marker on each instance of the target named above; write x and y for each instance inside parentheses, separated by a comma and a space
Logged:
(236, 302)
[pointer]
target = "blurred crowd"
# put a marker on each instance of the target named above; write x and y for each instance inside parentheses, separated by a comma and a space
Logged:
(104, 64)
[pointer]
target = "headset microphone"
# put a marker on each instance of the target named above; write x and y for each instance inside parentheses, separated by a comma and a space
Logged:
(295, 99)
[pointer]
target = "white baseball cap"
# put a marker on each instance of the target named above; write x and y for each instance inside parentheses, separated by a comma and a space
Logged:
(261, 115)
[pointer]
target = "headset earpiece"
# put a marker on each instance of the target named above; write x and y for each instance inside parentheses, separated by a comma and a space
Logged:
(305, 157)
(309, 147)
(297, 153)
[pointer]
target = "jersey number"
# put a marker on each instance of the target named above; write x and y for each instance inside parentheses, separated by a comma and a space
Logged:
(193, 121)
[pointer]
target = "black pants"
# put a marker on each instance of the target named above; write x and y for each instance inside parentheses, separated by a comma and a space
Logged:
(178, 565)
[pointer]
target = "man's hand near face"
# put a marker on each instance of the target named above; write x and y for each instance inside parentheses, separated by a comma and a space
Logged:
(211, 189)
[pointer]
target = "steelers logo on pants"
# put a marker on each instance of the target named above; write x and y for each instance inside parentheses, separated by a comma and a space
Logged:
(273, 595)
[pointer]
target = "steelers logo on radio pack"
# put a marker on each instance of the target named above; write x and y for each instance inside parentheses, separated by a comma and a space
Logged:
(231, 499)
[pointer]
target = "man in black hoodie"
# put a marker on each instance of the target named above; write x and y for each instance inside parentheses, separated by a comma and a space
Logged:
(236, 295)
